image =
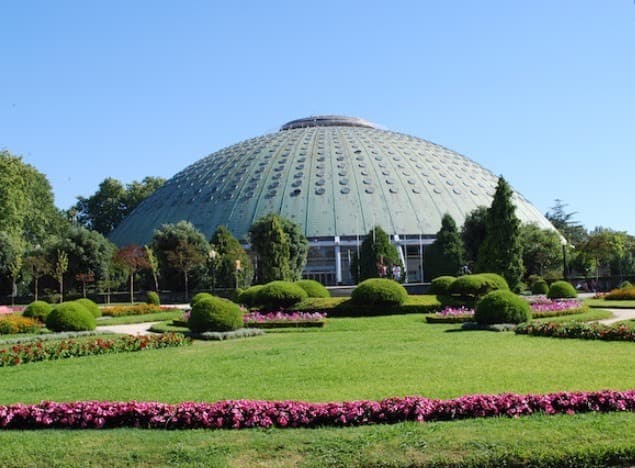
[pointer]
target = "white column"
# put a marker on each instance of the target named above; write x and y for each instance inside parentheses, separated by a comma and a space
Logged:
(338, 261)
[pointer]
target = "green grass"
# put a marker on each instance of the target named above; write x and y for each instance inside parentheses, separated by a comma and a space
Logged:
(130, 319)
(602, 304)
(349, 359)
(591, 315)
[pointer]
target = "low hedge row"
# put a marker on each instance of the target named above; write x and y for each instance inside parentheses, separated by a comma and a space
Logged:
(46, 351)
(242, 414)
(578, 330)
(136, 309)
(623, 294)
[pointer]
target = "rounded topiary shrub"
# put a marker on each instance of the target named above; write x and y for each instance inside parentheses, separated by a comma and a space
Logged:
(477, 285)
(379, 291)
(625, 285)
(501, 306)
(313, 288)
(441, 285)
(215, 314)
(90, 307)
(197, 297)
(249, 295)
(70, 316)
(280, 294)
(152, 298)
(562, 290)
(539, 287)
(38, 310)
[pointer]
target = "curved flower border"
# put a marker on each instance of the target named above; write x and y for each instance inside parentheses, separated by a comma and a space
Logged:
(242, 414)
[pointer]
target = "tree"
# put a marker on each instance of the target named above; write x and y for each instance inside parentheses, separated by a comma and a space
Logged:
(61, 266)
(184, 257)
(604, 246)
(131, 259)
(153, 265)
(501, 251)
(269, 241)
(377, 255)
(445, 255)
(298, 247)
(112, 202)
(572, 231)
(37, 265)
(174, 240)
(542, 250)
(226, 252)
(473, 233)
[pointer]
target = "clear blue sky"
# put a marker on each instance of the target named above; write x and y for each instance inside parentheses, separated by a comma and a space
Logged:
(541, 91)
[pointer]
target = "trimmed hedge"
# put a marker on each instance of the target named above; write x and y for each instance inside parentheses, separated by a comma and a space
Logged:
(38, 310)
(215, 314)
(313, 288)
(199, 296)
(441, 285)
(90, 307)
(624, 294)
(379, 292)
(280, 294)
(153, 298)
(540, 287)
(136, 309)
(501, 307)
(562, 290)
(70, 316)
(249, 295)
(477, 285)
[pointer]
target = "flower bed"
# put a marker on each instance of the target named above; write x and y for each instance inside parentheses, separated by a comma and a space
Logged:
(242, 414)
(136, 309)
(541, 307)
(577, 330)
(45, 351)
(284, 319)
(4, 310)
(14, 324)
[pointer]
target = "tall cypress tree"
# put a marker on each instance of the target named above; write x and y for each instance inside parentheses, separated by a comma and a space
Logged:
(501, 251)
(229, 255)
(445, 255)
(376, 250)
(271, 244)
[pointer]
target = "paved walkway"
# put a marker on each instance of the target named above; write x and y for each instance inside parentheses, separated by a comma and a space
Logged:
(132, 329)
(618, 315)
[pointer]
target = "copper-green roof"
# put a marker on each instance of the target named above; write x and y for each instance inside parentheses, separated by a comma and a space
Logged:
(333, 175)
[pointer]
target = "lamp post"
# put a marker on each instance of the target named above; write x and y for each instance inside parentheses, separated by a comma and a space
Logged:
(238, 269)
(212, 258)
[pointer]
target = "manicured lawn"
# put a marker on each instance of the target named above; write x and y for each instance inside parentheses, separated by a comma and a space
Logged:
(602, 304)
(129, 319)
(349, 359)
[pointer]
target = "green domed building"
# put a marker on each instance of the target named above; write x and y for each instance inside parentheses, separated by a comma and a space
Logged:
(335, 176)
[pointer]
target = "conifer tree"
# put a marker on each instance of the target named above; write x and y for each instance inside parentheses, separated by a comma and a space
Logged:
(501, 251)
(375, 253)
(445, 255)
(271, 245)
(228, 255)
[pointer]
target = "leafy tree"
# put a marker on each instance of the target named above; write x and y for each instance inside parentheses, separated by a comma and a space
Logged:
(173, 244)
(376, 256)
(153, 265)
(473, 233)
(501, 251)
(131, 259)
(445, 255)
(112, 202)
(227, 251)
(573, 231)
(61, 267)
(605, 246)
(542, 249)
(37, 266)
(271, 244)
(298, 247)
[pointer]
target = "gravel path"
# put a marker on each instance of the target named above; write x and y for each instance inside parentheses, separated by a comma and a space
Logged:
(618, 315)
(132, 329)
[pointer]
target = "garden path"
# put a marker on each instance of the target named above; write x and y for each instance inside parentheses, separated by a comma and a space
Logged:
(619, 315)
(131, 329)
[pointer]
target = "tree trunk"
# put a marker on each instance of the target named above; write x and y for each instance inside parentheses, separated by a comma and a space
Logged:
(185, 277)
(156, 282)
(61, 282)
(132, 287)
(35, 290)
(84, 288)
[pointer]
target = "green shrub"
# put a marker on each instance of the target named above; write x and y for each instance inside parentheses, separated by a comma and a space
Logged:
(197, 297)
(561, 290)
(313, 288)
(625, 285)
(441, 285)
(90, 307)
(477, 285)
(152, 298)
(215, 314)
(539, 287)
(626, 294)
(248, 296)
(280, 294)
(501, 306)
(70, 316)
(380, 292)
(13, 324)
(38, 310)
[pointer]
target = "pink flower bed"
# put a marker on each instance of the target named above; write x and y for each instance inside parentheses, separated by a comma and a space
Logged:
(242, 414)
(539, 304)
(5, 310)
(259, 317)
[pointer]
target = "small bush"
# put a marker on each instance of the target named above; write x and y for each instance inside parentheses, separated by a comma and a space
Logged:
(14, 324)
(379, 291)
(199, 296)
(215, 314)
(152, 298)
(38, 310)
(539, 287)
(625, 285)
(562, 290)
(280, 294)
(90, 306)
(477, 285)
(626, 294)
(249, 295)
(501, 307)
(313, 288)
(441, 285)
(70, 316)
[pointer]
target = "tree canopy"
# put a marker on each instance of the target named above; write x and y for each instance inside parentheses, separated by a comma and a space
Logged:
(271, 244)
(377, 255)
(227, 251)
(445, 255)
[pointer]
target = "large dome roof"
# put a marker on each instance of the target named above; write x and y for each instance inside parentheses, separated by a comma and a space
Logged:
(333, 175)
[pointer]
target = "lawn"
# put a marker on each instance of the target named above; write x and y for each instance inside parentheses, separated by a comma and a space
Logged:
(349, 359)
(603, 304)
